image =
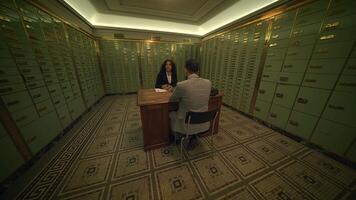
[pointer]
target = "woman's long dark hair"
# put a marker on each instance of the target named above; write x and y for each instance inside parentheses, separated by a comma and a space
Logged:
(163, 67)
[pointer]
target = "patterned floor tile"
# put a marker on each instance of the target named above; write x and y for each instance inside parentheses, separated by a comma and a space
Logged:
(108, 130)
(91, 195)
(240, 194)
(311, 181)
(273, 186)
(88, 173)
(202, 147)
(243, 161)
(285, 144)
(242, 134)
(214, 173)
(166, 155)
(102, 145)
(243, 151)
(257, 128)
(131, 162)
(221, 140)
(331, 168)
(177, 183)
(267, 152)
(132, 140)
(134, 189)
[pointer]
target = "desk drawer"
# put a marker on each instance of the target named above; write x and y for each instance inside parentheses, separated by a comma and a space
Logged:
(303, 52)
(39, 94)
(7, 89)
(58, 101)
(301, 124)
(276, 54)
(326, 66)
(346, 83)
(311, 100)
(302, 41)
(270, 76)
(290, 78)
(44, 107)
(350, 68)
(10, 80)
(64, 116)
(7, 62)
(312, 7)
(261, 109)
(291, 65)
(323, 81)
(309, 19)
(278, 44)
(8, 71)
(336, 36)
(25, 116)
(303, 30)
(341, 108)
(339, 23)
(342, 10)
(332, 50)
(279, 35)
(285, 95)
(278, 116)
(17, 101)
(333, 137)
(266, 91)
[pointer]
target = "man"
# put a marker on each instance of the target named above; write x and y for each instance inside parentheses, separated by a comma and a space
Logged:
(193, 95)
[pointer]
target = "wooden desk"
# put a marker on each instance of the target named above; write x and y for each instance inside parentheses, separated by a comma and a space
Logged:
(155, 108)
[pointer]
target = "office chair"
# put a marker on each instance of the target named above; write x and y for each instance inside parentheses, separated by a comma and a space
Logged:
(198, 118)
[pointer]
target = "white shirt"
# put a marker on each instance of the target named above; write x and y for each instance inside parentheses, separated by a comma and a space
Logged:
(169, 77)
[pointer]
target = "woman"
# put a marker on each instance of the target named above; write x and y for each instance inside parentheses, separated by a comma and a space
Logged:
(167, 76)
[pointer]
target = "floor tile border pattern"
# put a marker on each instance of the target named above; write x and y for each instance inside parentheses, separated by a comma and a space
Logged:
(40, 186)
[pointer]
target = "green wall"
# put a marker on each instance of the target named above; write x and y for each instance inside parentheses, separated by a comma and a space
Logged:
(127, 63)
(300, 78)
(49, 76)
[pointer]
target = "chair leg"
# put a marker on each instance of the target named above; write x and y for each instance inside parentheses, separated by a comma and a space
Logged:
(181, 147)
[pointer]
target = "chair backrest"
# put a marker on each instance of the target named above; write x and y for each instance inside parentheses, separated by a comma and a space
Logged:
(200, 117)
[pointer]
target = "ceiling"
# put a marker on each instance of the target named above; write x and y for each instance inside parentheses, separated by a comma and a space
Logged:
(193, 17)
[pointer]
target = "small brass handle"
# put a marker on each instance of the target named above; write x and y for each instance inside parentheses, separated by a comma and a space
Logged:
(4, 80)
(288, 66)
(273, 115)
(302, 100)
(336, 107)
(37, 96)
(13, 103)
(310, 80)
(9, 89)
(293, 123)
(283, 78)
(42, 109)
(261, 91)
(327, 37)
(321, 51)
(332, 25)
(315, 66)
(279, 95)
(21, 118)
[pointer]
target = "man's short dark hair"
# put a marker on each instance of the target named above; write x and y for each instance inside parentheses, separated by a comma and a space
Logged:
(192, 65)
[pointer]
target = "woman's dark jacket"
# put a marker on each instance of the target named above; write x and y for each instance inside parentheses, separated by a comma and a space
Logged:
(162, 79)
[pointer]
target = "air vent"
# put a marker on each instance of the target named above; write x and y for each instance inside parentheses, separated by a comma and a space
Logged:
(155, 38)
(119, 36)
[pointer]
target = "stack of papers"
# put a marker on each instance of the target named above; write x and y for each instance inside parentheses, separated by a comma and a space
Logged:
(160, 90)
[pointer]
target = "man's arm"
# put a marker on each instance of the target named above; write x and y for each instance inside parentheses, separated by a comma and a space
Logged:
(177, 94)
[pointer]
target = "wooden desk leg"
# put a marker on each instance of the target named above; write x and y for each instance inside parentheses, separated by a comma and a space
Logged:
(155, 125)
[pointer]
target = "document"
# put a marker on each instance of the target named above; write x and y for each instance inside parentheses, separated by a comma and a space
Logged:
(160, 90)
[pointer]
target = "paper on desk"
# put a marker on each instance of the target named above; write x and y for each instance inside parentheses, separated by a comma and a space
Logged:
(160, 90)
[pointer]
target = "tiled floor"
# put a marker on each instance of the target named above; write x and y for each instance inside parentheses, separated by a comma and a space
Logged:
(105, 160)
